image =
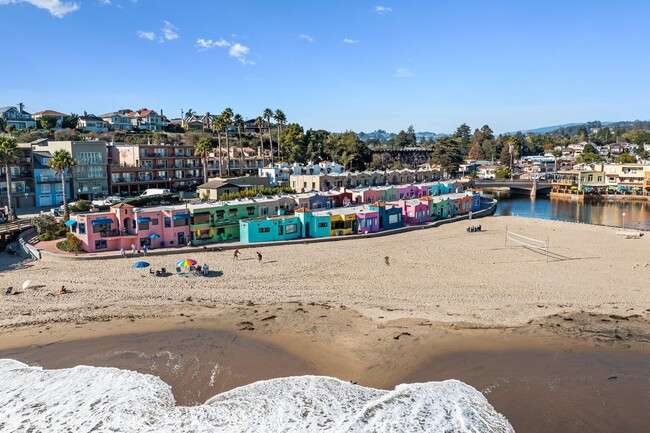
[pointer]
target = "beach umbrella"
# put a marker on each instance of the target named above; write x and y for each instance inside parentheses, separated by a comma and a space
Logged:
(154, 236)
(186, 263)
(140, 265)
(26, 284)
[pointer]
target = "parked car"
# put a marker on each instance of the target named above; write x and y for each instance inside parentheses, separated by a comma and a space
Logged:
(57, 212)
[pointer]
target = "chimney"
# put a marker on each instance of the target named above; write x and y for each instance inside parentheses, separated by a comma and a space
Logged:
(161, 113)
(85, 114)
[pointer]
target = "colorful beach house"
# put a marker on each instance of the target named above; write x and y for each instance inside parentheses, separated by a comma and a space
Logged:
(219, 222)
(339, 198)
(313, 226)
(343, 221)
(390, 215)
(124, 225)
(415, 211)
(366, 195)
(406, 192)
(388, 193)
(368, 220)
(270, 229)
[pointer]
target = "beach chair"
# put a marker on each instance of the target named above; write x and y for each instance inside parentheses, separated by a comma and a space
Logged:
(178, 270)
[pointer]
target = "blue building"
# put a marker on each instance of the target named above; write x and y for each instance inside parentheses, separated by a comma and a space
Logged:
(277, 228)
(313, 226)
(47, 182)
(390, 216)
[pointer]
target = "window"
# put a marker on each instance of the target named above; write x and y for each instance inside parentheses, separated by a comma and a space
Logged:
(180, 222)
(45, 188)
(82, 228)
(100, 245)
(250, 210)
(154, 221)
(264, 210)
(322, 225)
(201, 218)
(143, 226)
(167, 221)
(232, 213)
(291, 228)
(101, 228)
(280, 230)
(58, 188)
(393, 219)
(219, 214)
(264, 229)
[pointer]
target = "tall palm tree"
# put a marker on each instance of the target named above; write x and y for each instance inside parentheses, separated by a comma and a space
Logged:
(9, 153)
(259, 122)
(217, 125)
(280, 119)
(556, 154)
(227, 120)
(189, 113)
(239, 122)
(61, 161)
(202, 149)
(268, 114)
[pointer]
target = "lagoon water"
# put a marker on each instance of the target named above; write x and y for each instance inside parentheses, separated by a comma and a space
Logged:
(608, 213)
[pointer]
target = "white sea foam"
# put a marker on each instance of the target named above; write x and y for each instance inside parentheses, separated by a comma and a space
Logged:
(85, 399)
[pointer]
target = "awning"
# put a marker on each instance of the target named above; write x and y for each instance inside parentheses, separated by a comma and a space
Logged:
(70, 222)
(144, 219)
(181, 216)
(100, 221)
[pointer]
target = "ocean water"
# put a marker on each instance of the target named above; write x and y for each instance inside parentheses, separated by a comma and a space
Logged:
(98, 399)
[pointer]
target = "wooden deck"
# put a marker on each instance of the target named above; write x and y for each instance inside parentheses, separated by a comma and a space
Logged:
(15, 226)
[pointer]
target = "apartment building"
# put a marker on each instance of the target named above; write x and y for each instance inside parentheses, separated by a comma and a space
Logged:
(137, 167)
(22, 179)
(90, 175)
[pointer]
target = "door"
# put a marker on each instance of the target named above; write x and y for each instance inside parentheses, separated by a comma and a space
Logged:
(307, 229)
(181, 238)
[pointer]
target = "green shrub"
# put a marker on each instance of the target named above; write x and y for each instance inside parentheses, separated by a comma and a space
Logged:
(81, 206)
(153, 200)
(45, 237)
(71, 244)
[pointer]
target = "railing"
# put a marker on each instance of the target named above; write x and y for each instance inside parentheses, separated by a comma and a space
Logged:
(15, 226)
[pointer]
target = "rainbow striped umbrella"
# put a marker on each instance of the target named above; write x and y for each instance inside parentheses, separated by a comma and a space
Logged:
(186, 263)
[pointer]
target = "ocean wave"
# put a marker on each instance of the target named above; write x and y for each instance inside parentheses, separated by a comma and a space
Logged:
(98, 399)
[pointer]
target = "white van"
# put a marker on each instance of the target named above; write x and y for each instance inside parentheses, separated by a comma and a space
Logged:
(155, 191)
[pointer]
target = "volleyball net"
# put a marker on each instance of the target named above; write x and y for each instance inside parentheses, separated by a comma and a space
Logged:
(527, 242)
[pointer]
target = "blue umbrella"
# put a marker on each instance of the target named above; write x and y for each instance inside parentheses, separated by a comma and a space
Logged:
(140, 265)
(154, 236)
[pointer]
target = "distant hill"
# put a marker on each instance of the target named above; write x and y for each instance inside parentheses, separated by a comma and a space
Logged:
(384, 136)
(546, 129)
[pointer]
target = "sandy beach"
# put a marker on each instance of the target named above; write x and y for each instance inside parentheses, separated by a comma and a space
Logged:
(522, 328)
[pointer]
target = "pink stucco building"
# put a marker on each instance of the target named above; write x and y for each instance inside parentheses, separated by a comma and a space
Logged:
(124, 225)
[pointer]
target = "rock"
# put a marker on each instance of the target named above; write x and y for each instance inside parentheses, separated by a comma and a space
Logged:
(269, 318)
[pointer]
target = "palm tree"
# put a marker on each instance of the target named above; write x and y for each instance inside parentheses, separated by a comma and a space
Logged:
(61, 161)
(202, 149)
(268, 113)
(226, 116)
(280, 119)
(239, 122)
(217, 125)
(189, 113)
(259, 122)
(9, 153)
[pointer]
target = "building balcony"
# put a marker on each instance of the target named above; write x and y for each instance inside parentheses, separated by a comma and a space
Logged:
(114, 233)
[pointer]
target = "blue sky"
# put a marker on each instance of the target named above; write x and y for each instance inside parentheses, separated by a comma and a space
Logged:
(338, 65)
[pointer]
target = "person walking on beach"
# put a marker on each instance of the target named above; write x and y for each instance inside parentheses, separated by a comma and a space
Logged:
(236, 255)
(123, 252)
(145, 249)
(259, 257)
(133, 248)
(206, 270)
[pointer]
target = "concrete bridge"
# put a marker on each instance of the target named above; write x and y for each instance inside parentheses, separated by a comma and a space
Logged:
(523, 187)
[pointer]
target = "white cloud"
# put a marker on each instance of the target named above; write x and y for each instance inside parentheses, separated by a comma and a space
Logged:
(383, 10)
(235, 50)
(350, 41)
(105, 2)
(57, 8)
(403, 73)
(206, 44)
(306, 37)
(146, 35)
(169, 31)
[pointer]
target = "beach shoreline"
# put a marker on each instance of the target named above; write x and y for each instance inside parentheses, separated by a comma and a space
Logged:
(340, 309)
